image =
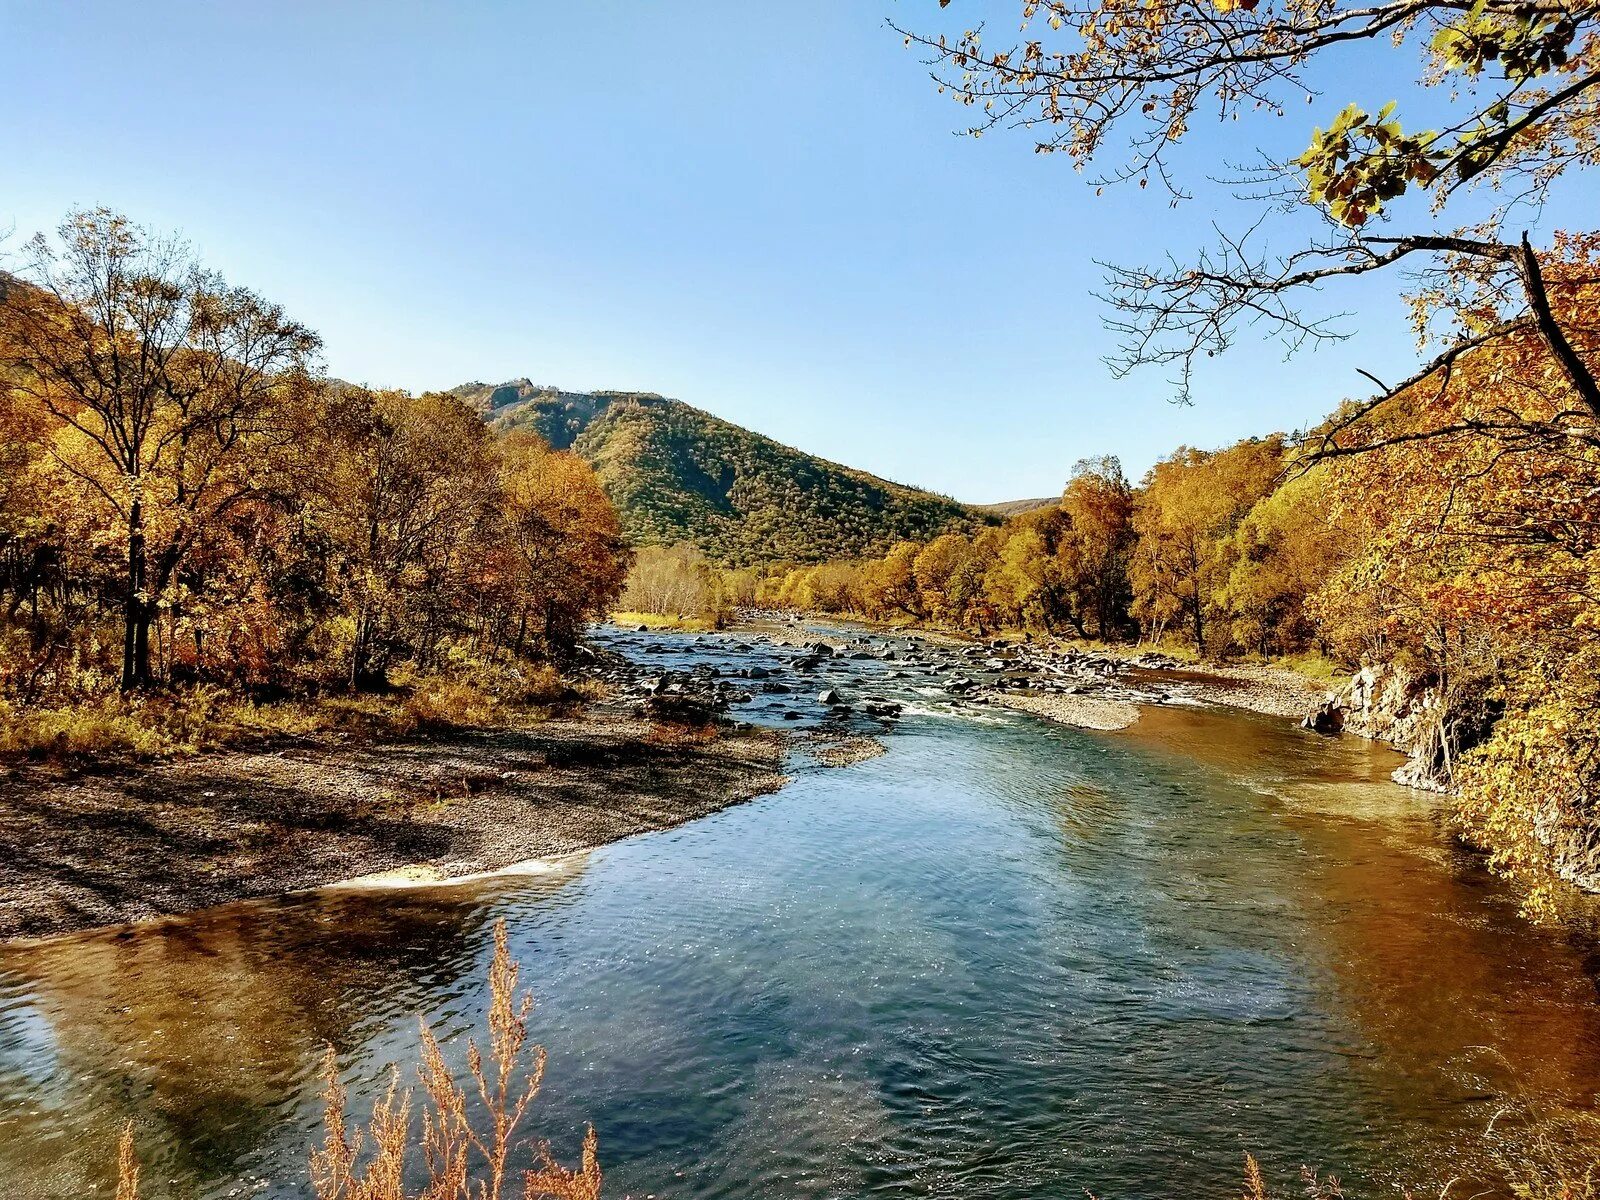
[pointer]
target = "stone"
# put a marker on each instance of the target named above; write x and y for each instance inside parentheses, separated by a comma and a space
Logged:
(1326, 718)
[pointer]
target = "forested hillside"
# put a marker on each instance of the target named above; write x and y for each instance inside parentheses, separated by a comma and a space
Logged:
(677, 474)
(1015, 508)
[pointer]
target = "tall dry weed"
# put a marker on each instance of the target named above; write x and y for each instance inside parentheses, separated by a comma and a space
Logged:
(127, 1165)
(453, 1156)
(462, 1158)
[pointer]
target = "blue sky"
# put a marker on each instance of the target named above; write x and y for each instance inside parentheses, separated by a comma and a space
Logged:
(758, 209)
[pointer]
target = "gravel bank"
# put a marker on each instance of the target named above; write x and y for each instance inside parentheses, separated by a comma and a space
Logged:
(102, 850)
(1081, 712)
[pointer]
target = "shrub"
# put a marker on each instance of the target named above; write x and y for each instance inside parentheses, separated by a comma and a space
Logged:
(437, 702)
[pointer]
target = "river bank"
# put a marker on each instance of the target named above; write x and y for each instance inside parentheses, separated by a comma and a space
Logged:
(94, 850)
(1101, 690)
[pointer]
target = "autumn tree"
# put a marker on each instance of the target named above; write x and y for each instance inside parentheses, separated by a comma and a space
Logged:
(564, 561)
(165, 388)
(1518, 81)
(1285, 551)
(404, 493)
(1094, 548)
(672, 581)
(935, 570)
(889, 585)
(1023, 586)
(1189, 507)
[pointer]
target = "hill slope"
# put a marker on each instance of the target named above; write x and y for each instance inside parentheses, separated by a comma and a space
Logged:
(1007, 509)
(677, 474)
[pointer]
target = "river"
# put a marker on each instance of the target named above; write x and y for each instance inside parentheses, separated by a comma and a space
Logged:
(1004, 959)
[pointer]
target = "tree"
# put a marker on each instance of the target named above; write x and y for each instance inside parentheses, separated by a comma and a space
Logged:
(567, 560)
(1190, 506)
(405, 491)
(1097, 505)
(166, 387)
(935, 570)
(1024, 584)
(1522, 77)
(672, 581)
(1284, 552)
(889, 584)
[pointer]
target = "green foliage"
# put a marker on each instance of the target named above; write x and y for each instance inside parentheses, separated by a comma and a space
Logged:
(1361, 162)
(1526, 45)
(677, 474)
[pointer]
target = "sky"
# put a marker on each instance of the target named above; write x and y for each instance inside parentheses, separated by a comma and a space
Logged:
(762, 210)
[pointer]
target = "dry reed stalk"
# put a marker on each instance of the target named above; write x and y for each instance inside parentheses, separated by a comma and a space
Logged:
(505, 1085)
(1255, 1186)
(127, 1165)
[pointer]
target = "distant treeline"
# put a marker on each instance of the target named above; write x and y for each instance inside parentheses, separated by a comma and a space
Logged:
(1208, 550)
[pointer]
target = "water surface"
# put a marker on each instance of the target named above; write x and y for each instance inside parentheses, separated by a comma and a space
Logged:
(1004, 959)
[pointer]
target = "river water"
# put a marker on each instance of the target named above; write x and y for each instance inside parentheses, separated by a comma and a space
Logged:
(1004, 959)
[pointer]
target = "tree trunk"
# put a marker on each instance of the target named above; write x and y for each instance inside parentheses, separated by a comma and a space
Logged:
(135, 609)
(1555, 338)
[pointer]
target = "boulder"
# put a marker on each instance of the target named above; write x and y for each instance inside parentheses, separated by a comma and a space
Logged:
(1325, 718)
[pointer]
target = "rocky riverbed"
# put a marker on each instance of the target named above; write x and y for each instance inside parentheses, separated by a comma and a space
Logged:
(782, 670)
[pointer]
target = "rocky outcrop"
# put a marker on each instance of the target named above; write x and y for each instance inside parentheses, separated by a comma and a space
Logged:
(1390, 703)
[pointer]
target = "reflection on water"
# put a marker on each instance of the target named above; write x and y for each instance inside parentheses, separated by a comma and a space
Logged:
(1002, 960)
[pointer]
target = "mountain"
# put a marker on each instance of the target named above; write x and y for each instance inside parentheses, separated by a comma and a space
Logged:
(1015, 508)
(677, 474)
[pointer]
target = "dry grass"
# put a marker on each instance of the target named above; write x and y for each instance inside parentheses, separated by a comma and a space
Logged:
(679, 735)
(676, 621)
(463, 1160)
(1313, 666)
(440, 703)
(189, 721)
(127, 1165)
(160, 724)
(453, 1156)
